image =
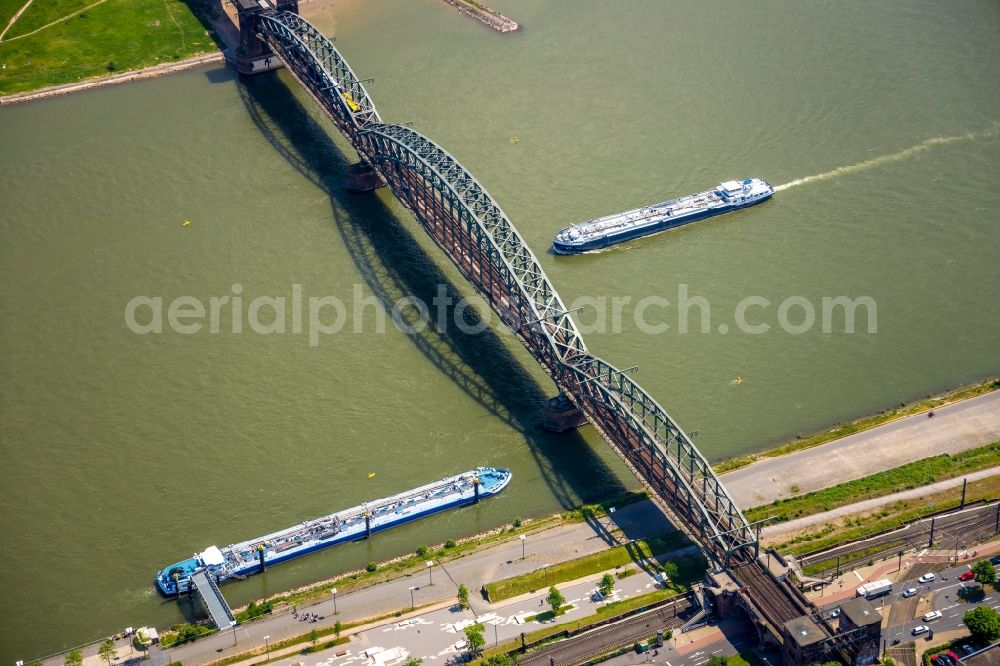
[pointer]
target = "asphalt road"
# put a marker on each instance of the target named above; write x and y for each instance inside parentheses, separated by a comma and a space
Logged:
(439, 635)
(942, 595)
(499, 561)
(955, 427)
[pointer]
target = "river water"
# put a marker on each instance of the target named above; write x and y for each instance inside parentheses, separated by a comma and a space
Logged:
(124, 452)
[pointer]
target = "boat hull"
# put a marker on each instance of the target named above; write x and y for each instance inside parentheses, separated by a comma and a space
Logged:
(166, 587)
(600, 242)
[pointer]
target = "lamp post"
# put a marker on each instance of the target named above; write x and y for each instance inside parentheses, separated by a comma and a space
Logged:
(412, 604)
(430, 572)
(496, 635)
(267, 646)
(333, 591)
(545, 569)
(522, 546)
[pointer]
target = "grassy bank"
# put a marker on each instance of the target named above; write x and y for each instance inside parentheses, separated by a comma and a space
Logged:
(613, 558)
(41, 49)
(912, 475)
(859, 526)
(861, 424)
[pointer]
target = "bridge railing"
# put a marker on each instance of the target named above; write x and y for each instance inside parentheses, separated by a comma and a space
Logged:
(464, 220)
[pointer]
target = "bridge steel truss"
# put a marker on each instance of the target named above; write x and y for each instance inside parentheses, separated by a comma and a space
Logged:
(465, 221)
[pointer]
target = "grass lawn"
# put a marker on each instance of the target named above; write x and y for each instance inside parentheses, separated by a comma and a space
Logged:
(912, 475)
(861, 424)
(894, 515)
(584, 566)
(117, 35)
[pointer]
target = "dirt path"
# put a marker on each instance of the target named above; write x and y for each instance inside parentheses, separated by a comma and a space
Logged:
(48, 25)
(14, 18)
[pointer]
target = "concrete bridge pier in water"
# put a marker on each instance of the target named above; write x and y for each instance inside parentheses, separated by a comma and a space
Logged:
(254, 55)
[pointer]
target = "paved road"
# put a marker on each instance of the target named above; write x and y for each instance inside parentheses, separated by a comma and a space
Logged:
(500, 561)
(857, 507)
(955, 427)
(940, 594)
(439, 635)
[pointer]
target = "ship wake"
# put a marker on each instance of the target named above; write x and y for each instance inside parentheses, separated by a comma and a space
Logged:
(882, 160)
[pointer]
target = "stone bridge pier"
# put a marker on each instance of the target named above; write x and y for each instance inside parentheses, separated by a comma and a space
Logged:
(253, 55)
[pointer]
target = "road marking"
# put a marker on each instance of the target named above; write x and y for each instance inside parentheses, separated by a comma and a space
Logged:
(858, 575)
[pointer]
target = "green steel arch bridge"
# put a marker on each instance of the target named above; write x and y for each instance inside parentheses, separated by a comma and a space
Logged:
(474, 232)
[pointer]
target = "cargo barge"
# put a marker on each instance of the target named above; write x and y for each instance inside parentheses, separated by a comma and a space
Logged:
(242, 559)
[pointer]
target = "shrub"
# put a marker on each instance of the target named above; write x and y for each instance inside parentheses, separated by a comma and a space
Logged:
(422, 551)
(449, 544)
(372, 567)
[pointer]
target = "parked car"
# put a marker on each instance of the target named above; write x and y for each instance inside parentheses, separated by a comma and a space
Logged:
(941, 660)
(835, 613)
(932, 615)
(967, 575)
(953, 655)
(967, 649)
(926, 578)
(919, 629)
(909, 592)
(946, 660)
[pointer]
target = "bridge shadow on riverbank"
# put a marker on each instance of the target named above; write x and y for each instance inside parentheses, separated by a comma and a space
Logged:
(394, 265)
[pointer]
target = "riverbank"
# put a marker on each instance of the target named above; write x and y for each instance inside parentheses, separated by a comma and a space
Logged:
(116, 79)
(862, 424)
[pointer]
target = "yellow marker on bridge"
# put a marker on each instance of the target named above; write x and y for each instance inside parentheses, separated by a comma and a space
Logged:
(352, 105)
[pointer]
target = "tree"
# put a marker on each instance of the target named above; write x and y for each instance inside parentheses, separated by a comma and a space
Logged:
(985, 573)
(474, 635)
(107, 651)
(983, 623)
(555, 599)
(337, 628)
(74, 658)
(607, 585)
(501, 660)
(413, 661)
(900, 554)
(422, 551)
(888, 661)
(314, 637)
(463, 596)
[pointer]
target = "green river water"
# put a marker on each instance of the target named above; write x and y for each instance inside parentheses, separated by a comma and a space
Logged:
(123, 452)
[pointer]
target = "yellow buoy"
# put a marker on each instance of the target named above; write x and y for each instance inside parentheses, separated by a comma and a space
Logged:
(371, 475)
(515, 139)
(185, 223)
(738, 380)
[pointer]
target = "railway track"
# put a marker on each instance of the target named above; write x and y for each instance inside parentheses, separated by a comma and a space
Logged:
(586, 646)
(769, 594)
(969, 526)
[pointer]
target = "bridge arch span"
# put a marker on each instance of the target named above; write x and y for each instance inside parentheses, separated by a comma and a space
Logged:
(464, 220)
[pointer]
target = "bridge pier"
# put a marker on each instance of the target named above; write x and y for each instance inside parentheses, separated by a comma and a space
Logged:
(562, 415)
(253, 55)
(361, 177)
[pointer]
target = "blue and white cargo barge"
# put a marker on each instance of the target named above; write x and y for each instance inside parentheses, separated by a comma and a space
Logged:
(241, 559)
(604, 231)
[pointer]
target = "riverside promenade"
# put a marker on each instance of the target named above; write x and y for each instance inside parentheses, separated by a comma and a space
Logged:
(954, 428)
